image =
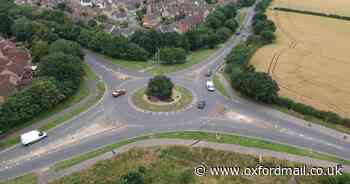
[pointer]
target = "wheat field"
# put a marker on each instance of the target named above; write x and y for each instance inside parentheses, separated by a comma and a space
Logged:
(340, 7)
(310, 60)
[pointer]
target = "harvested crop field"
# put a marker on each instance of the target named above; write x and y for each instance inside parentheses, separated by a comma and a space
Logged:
(340, 7)
(310, 60)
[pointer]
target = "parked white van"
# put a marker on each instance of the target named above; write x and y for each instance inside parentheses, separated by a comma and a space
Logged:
(32, 136)
(210, 86)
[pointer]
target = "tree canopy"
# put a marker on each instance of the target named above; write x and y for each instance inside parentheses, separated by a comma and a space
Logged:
(161, 87)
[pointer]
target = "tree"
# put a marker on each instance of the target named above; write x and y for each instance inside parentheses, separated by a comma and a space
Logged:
(232, 24)
(174, 39)
(268, 36)
(245, 3)
(25, 104)
(136, 53)
(210, 40)
(258, 85)
(213, 21)
(39, 50)
(67, 47)
(22, 29)
(43, 32)
(161, 87)
(5, 24)
(223, 34)
(229, 10)
(150, 40)
(63, 67)
(171, 55)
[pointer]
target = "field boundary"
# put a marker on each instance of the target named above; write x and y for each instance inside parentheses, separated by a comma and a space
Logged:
(306, 12)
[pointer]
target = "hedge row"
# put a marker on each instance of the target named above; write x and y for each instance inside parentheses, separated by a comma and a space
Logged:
(308, 110)
(313, 13)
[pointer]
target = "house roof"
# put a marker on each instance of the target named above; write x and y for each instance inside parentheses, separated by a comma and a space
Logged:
(13, 64)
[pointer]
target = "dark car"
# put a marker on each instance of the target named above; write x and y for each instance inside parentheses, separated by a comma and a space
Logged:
(209, 73)
(118, 92)
(238, 33)
(201, 105)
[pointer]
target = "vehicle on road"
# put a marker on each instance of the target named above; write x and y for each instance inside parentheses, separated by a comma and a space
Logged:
(210, 86)
(209, 73)
(32, 136)
(118, 92)
(238, 33)
(201, 104)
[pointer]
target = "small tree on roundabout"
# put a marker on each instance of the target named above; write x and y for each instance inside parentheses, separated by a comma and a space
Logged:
(160, 87)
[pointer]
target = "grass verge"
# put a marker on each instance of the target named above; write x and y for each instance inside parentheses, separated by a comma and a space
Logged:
(25, 179)
(140, 102)
(157, 69)
(242, 13)
(312, 119)
(219, 86)
(175, 165)
(204, 136)
(82, 93)
(194, 58)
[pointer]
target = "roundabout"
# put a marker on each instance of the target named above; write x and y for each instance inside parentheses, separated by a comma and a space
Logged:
(182, 99)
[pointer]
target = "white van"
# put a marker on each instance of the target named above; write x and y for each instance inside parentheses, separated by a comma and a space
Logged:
(210, 86)
(32, 136)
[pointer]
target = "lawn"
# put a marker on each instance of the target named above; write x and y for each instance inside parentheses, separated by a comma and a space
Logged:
(242, 13)
(82, 93)
(219, 86)
(175, 165)
(211, 137)
(192, 59)
(26, 179)
(139, 101)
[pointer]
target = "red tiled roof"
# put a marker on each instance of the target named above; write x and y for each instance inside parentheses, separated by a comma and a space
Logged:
(13, 64)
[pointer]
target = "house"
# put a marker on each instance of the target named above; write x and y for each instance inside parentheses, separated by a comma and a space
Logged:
(15, 68)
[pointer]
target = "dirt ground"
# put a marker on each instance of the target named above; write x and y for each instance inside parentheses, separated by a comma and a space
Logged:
(310, 60)
(340, 7)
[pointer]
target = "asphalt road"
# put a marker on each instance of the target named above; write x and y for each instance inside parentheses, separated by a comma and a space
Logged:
(114, 119)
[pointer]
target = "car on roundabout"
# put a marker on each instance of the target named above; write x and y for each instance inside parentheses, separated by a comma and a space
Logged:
(118, 92)
(201, 104)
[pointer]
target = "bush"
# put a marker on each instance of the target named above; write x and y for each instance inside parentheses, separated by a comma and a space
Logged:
(24, 105)
(161, 87)
(67, 47)
(223, 34)
(62, 67)
(258, 85)
(170, 55)
(245, 3)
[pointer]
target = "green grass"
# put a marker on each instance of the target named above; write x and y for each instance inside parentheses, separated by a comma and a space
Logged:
(100, 90)
(219, 86)
(312, 119)
(175, 165)
(157, 69)
(210, 137)
(139, 101)
(242, 13)
(192, 59)
(133, 65)
(26, 179)
(82, 93)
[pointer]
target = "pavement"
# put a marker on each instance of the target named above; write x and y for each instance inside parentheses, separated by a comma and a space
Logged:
(114, 119)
